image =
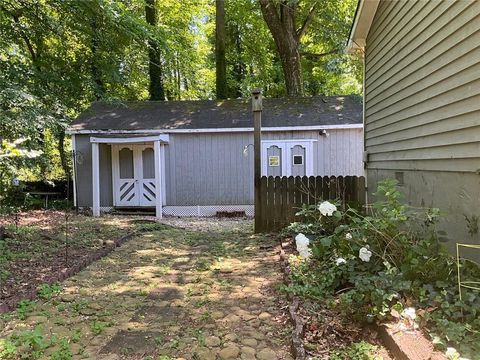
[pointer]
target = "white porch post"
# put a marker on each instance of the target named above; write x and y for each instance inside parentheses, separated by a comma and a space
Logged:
(158, 179)
(95, 180)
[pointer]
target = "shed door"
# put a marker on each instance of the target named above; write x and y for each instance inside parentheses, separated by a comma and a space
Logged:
(287, 157)
(134, 175)
(297, 161)
(147, 181)
(126, 192)
(274, 161)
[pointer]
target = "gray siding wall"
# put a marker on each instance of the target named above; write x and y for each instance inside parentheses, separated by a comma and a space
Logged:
(84, 172)
(422, 103)
(210, 169)
(423, 86)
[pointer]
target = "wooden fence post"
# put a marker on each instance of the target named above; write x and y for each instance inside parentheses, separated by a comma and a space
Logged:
(257, 145)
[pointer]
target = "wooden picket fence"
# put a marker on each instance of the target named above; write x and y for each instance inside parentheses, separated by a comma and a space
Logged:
(282, 197)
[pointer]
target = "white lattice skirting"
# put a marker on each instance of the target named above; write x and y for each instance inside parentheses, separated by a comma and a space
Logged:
(196, 210)
(205, 210)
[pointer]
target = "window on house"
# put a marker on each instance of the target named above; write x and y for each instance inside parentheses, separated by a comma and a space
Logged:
(297, 159)
(274, 160)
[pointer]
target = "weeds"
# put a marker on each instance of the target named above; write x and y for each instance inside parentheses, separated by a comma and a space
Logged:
(356, 351)
(98, 327)
(25, 307)
(47, 291)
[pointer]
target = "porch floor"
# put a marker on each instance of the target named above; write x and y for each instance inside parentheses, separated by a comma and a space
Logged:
(133, 210)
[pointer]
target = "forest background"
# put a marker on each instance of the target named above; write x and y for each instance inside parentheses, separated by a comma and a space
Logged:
(58, 56)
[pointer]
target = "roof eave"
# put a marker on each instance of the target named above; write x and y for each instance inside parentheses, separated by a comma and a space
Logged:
(73, 131)
(362, 22)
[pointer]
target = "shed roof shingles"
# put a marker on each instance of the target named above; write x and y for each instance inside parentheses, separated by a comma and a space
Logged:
(211, 114)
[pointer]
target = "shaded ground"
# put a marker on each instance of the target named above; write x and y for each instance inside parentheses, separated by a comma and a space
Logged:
(204, 291)
(37, 247)
(327, 332)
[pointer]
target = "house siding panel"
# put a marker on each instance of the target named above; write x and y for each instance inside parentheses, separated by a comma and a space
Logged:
(429, 31)
(84, 172)
(423, 85)
(422, 106)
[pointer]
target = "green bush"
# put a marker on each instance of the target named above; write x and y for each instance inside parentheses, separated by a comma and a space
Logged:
(356, 351)
(379, 263)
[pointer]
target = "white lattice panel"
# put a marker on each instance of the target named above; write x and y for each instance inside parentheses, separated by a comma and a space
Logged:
(205, 210)
(195, 211)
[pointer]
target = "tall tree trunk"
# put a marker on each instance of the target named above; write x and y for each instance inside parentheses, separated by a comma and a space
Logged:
(239, 66)
(178, 78)
(291, 66)
(221, 65)
(99, 86)
(156, 88)
(282, 26)
(61, 151)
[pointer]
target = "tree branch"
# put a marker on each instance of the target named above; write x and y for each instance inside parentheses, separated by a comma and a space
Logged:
(16, 18)
(271, 16)
(314, 56)
(307, 22)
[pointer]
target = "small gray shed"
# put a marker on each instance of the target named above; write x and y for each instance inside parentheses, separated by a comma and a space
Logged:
(194, 158)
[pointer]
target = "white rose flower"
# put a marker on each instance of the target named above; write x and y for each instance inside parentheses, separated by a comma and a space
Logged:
(364, 254)
(348, 236)
(326, 208)
(340, 261)
(409, 313)
(305, 253)
(301, 241)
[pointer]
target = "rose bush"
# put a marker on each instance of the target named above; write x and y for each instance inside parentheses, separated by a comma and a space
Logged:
(387, 263)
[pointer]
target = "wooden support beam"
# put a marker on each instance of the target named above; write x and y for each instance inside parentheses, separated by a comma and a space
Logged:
(95, 180)
(74, 168)
(158, 179)
(257, 146)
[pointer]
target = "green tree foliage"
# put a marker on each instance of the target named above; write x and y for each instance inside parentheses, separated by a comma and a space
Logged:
(252, 61)
(57, 56)
(220, 61)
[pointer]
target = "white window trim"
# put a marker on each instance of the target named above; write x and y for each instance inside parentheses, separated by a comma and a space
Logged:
(285, 147)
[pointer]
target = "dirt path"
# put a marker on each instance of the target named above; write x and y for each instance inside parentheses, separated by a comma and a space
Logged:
(204, 291)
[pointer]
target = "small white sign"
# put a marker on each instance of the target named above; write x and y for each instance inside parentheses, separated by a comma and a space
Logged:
(15, 182)
(274, 161)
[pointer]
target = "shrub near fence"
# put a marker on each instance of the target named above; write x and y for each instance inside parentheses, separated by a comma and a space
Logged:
(282, 197)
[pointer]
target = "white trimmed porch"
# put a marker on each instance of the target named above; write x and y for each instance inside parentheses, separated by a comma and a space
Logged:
(136, 183)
